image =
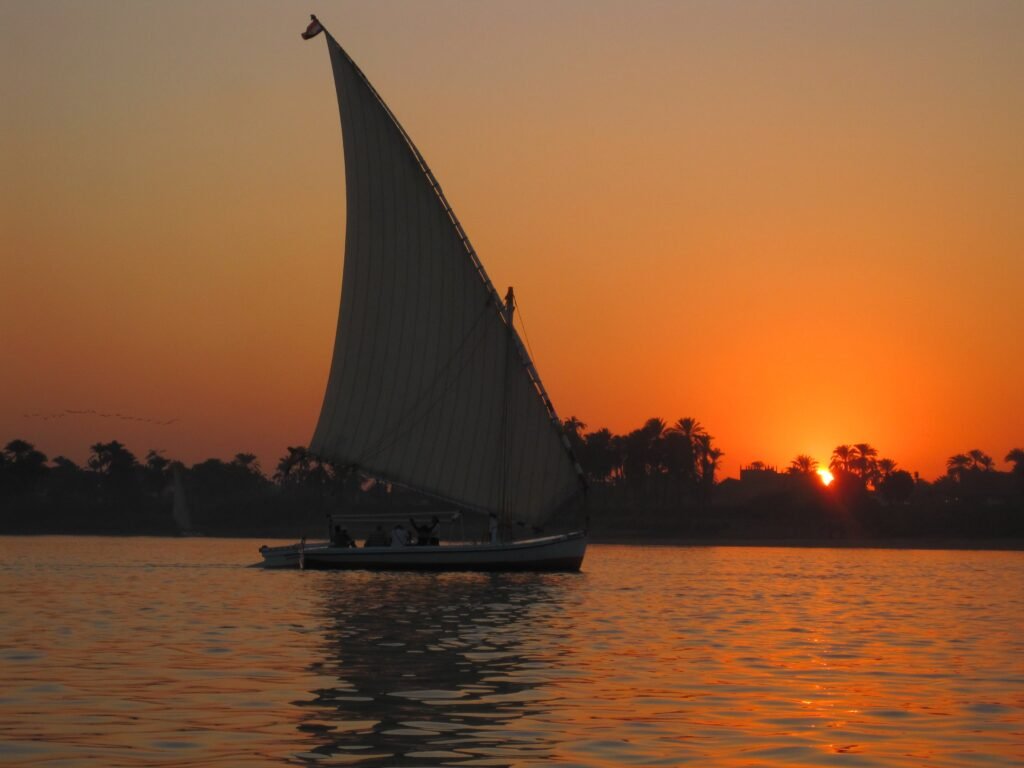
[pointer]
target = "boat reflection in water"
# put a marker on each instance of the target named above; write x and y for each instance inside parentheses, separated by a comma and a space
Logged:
(436, 667)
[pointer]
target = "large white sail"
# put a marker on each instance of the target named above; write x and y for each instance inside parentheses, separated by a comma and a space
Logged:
(429, 386)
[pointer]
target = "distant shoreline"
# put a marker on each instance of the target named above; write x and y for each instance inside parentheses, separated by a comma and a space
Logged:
(1009, 545)
(649, 540)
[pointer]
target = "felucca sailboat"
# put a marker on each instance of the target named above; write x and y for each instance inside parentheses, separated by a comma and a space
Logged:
(431, 387)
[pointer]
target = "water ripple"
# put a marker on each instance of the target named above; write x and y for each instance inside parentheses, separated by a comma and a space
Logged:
(138, 652)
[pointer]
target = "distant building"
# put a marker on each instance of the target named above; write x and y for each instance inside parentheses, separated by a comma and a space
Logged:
(756, 479)
(757, 472)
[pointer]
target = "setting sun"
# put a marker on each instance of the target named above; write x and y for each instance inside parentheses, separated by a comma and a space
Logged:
(826, 476)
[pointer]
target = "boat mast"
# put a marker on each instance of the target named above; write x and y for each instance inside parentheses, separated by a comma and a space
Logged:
(505, 514)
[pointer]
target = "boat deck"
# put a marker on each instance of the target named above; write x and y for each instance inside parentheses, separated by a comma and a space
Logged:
(552, 553)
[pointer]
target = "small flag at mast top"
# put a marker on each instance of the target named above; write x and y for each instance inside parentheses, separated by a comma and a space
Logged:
(313, 29)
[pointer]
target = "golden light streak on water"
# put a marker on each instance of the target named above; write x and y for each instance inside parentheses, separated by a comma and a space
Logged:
(138, 652)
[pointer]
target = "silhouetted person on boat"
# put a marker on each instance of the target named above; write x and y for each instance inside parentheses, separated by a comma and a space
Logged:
(493, 528)
(427, 534)
(378, 538)
(340, 537)
(399, 536)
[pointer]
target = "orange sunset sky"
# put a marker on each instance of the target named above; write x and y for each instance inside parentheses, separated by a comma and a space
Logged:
(799, 222)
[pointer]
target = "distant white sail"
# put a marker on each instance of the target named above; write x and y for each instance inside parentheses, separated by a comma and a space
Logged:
(429, 386)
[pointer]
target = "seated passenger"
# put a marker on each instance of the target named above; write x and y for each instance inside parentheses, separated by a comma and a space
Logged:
(427, 534)
(399, 536)
(340, 537)
(377, 539)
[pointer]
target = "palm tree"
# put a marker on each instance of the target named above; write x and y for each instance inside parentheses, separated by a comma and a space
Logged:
(682, 449)
(863, 463)
(687, 427)
(111, 458)
(156, 471)
(957, 465)
(1016, 457)
(885, 468)
(842, 458)
(25, 465)
(803, 465)
(573, 430)
(574, 427)
(18, 450)
(642, 454)
(156, 463)
(709, 457)
(600, 456)
(654, 426)
(248, 462)
(652, 446)
(116, 466)
(294, 467)
(67, 477)
(980, 460)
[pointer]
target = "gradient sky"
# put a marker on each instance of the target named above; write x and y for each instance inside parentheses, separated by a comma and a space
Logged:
(799, 222)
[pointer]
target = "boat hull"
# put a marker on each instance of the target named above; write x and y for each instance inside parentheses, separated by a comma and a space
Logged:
(552, 554)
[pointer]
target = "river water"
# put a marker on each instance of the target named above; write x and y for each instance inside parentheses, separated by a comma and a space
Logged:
(153, 652)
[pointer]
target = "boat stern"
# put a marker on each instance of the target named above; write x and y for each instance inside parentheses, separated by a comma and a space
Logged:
(289, 556)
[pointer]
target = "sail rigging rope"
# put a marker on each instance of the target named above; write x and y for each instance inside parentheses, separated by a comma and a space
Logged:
(526, 336)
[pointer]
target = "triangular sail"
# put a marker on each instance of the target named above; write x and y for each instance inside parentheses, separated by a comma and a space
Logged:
(429, 386)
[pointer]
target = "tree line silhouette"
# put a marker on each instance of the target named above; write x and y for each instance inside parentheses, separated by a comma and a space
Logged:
(656, 463)
(656, 481)
(115, 492)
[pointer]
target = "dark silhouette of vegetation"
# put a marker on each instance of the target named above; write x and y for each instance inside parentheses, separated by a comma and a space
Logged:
(870, 498)
(897, 487)
(654, 465)
(657, 482)
(1016, 457)
(861, 460)
(803, 465)
(23, 468)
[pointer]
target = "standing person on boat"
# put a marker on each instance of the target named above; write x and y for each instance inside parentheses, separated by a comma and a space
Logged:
(427, 534)
(399, 536)
(493, 528)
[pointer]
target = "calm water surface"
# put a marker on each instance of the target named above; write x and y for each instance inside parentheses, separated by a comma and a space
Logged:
(131, 652)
